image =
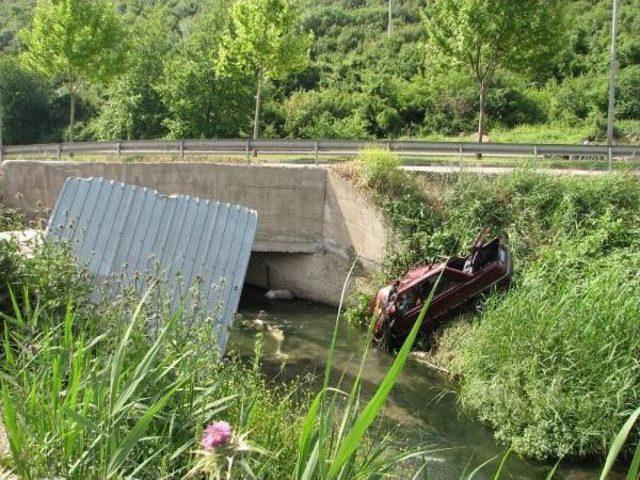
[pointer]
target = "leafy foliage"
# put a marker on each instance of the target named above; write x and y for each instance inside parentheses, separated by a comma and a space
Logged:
(357, 82)
(552, 365)
(264, 40)
(74, 42)
(26, 100)
(380, 169)
(134, 108)
(216, 105)
(484, 36)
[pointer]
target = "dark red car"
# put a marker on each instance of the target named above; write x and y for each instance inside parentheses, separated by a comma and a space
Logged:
(464, 281)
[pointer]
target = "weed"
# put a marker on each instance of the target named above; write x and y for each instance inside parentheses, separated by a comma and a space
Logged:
(380, 168)
(124, 388)
(551, 366)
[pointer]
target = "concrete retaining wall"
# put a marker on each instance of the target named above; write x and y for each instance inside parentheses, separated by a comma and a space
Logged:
(311, 222)
(289, 201)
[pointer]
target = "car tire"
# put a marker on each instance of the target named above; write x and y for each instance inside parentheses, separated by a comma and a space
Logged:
(478, 304)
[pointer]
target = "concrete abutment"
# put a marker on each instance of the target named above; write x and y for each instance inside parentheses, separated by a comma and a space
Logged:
(312, 222)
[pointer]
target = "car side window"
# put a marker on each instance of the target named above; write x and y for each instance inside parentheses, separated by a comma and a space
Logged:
(446, 283)
(409, 299)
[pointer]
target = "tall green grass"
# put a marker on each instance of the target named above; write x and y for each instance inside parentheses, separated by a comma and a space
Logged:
(115, 403)
(88, 393)
(553, 365)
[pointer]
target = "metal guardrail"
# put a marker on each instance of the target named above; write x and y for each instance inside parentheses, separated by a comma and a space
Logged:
(319, 148)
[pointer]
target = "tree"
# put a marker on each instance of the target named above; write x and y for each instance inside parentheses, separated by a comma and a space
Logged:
(133, 108)
(200, 102)
(264, 39)
(25, 103)
(74, 42)
(485, 35)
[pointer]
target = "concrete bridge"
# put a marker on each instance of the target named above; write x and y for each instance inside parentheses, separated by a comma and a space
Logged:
(311, 222)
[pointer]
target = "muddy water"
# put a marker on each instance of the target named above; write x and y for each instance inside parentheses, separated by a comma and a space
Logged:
(422, 408)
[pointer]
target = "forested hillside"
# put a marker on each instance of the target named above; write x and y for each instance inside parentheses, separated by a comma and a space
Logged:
(358, 82)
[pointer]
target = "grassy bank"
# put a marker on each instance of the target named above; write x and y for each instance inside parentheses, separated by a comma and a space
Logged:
(127, 388)
(552, 365)
(628, 132)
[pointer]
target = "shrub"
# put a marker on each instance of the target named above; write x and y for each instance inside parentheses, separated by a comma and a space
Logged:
(326, 114)
(629, 93)
(557, 379)
(578, 98)
(551, 366)
(26, 102)
(380, 168)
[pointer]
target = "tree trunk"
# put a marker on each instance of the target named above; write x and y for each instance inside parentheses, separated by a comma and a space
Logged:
(256, 118)
(72, 112)
(483, 95)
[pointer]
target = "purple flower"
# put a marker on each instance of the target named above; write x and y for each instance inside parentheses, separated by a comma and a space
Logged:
(215, 435)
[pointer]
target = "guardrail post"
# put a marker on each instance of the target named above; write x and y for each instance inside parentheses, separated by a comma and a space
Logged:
(535, 154)
(181, 149)
(118, 146)
(610, 157)
(460, 155)
(1, 153)
(59, 152)
(248, 151)
(315, 149)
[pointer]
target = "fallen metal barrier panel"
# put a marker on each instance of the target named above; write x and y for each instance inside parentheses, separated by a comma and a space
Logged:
(130, 231)
(318, 147)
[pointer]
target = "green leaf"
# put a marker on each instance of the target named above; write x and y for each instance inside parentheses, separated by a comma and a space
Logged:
(618, 443)
(137, 432)
(351, 442)
(117, 360)
(502, 464)
(143, 368)
(307, 435)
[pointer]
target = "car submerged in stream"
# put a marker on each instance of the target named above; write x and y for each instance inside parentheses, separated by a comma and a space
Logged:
(463, 281)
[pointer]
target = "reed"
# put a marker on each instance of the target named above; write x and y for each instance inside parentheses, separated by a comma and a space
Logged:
(88, 393)
(552, 365)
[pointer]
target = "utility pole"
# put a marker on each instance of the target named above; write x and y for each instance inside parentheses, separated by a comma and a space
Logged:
(390, 21)
(612, 74)
(1, 126)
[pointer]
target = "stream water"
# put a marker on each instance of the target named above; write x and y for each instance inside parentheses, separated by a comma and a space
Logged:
(423, 406)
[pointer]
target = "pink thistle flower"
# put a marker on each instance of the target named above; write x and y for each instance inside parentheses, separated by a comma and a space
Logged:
(215, 435)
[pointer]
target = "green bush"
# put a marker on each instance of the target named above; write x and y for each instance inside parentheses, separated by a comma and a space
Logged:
(629, 93)
(26, 101)
(552, 365)
(380, 168)
(325, 115)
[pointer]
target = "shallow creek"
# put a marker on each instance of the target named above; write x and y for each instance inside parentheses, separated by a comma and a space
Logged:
(423, 407)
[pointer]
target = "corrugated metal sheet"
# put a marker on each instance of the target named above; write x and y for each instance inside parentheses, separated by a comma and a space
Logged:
(115, 228)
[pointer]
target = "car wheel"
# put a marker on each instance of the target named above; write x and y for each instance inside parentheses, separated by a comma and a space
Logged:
(385, 339)
(478, 304)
